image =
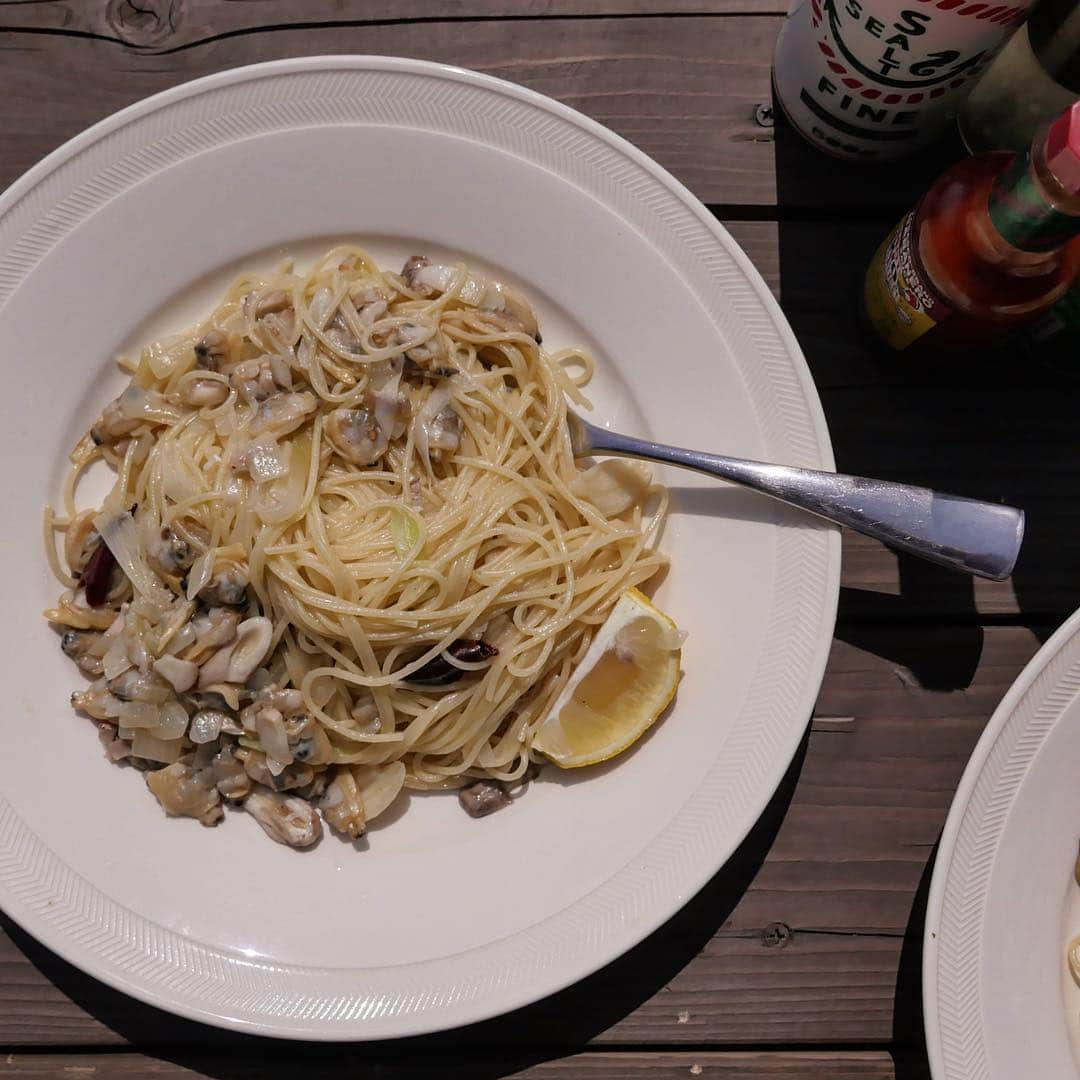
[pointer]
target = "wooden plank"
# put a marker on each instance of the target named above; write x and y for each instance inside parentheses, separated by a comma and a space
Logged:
(684, 90)
(323, 1065)
(158, 25)
(840, 859)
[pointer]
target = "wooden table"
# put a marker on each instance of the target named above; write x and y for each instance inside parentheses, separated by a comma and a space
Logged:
(801, 959)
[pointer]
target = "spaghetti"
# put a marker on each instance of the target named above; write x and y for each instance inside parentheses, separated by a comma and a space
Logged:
(348, 549)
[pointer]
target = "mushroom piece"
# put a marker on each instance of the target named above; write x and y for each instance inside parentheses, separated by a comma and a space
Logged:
(116, 749)
(286, 701)
(342, 806)
(168, 554)
(365, 713)
(113, 425)
(313, 791)
(212, 350)
(186, 792)
(308, 739)
(257, 767)
(283, 413)
(444, 433)
(228, 585)
(269, 302)
(97, 701)
(200, 393)
(229, 775)
(410, 271)
(483, 797)
(180, 674)
(425, 347)
(1073, 957)
(254, 380)
(213, 628)
(495, 301)
(81, 646)
(509, 311)
(235, 662)
(371, 305)
(135, 685)
(270, 728)
(356, 435)
(285, 818)
(133, 408)
(81, 541)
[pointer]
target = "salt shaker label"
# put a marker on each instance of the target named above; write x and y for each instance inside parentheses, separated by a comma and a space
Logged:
(877, 79)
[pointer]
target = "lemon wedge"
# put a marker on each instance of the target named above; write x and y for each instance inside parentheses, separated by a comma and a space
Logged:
(624, 682)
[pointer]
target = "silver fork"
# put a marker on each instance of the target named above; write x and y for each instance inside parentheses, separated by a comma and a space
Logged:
(976, 537)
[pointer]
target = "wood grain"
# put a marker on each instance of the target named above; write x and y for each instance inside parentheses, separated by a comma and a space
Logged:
(684, 90)
(158, 25)
(763, 1065)
(840, 859)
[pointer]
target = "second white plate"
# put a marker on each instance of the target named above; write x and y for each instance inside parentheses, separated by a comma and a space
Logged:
(999, 1001)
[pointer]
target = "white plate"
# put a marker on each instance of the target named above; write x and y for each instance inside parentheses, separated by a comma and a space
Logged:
(999, 1001)
(131, 229)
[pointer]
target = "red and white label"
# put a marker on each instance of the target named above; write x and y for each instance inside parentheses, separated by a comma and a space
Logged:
(874, 79)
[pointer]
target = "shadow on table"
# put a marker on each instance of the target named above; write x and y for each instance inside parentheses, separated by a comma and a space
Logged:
(550, 1028)
(908, 1034)
(999, 426)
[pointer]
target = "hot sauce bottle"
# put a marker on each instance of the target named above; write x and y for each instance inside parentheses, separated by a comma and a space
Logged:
(994, 243)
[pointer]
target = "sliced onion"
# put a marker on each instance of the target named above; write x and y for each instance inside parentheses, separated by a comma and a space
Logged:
(405, 529)
(178, 481)
(206, 725)
(270, 728)
(122, 538)
(378, 786)
(282, 373)
(139, 714)
(320, 307)
(437, 400)
(266, 460)
(613, 486)
(386, 400)
(116, 660)
(183, 637)
(135, 403)
(173, 721)
(441, 278)
(164, 357)
(152, 748)
(202, 570)
(282, 499)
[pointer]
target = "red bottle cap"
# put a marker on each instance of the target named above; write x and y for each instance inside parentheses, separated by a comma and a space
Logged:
(1063, 148)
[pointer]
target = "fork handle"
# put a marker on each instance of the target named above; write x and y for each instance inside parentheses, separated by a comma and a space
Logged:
(976, 537)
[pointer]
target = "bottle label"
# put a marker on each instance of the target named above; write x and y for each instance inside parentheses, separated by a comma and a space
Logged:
(878, 79)
(1020, 211)
(899, 299)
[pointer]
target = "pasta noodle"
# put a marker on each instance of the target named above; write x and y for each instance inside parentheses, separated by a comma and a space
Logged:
(348, 549)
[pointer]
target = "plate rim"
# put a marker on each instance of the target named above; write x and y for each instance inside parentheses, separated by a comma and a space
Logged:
(1063, 642)
(42, 931)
